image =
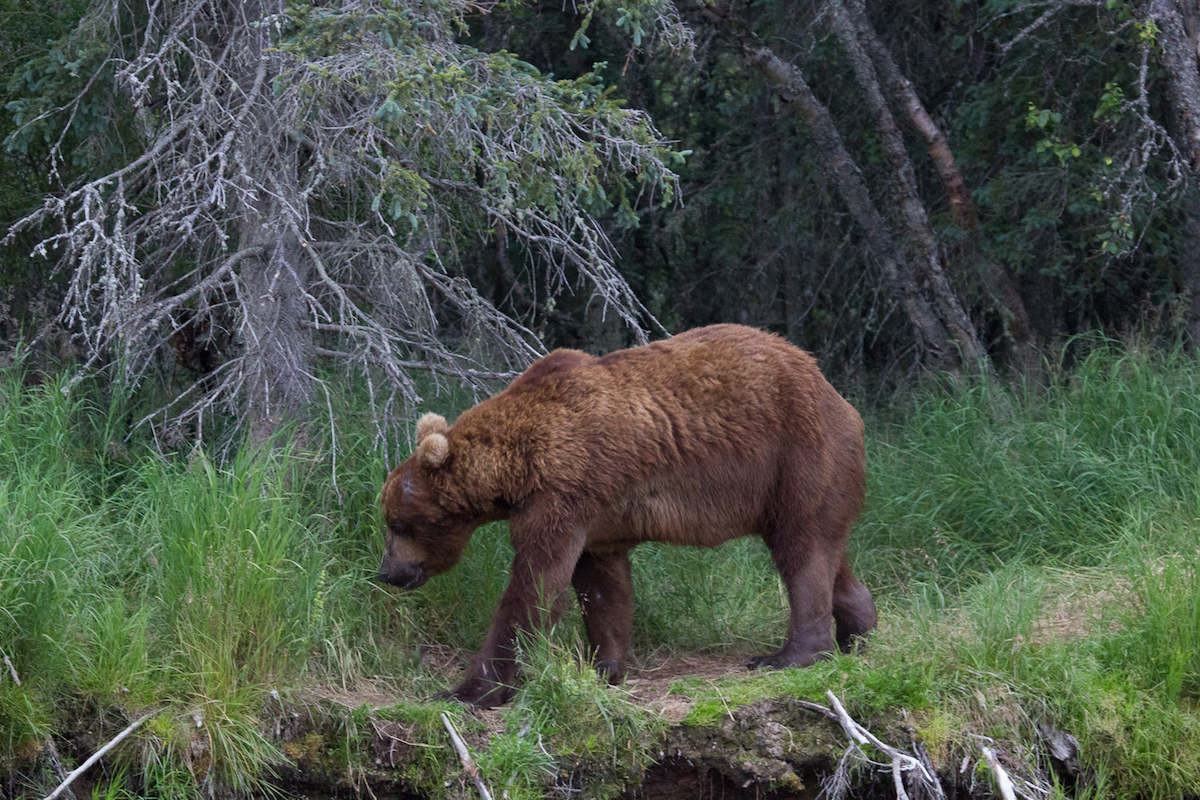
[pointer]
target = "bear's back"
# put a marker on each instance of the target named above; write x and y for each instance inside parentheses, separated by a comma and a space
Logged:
(704, 394)
(724, 381)
(711, 402)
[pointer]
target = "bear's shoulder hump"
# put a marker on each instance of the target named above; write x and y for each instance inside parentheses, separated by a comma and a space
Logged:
(555, 364)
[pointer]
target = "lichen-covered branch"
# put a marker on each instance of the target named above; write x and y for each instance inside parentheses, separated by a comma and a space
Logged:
(299, 182)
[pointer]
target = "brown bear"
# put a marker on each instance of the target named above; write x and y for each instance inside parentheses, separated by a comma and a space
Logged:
(716, 433)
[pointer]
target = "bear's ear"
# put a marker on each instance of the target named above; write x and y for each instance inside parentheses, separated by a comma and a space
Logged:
(430, 423)
(433, 449)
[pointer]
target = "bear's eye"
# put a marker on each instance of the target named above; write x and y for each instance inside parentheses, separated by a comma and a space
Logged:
(396, 527)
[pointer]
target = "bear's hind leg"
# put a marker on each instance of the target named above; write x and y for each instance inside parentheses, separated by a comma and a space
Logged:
(808, 570)
(853, 608)
(809, 579)
(604, 584)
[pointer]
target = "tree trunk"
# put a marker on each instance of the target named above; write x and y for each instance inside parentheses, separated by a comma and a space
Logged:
(278, 350)
(1178, 22)
(925, 253)
(962, 207)
(1178, 60)
(1190, 271)
(929, 331)
(278, 354)
(999, 282)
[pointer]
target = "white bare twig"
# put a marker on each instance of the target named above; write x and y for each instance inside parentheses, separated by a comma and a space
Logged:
(464, 756)
(858, 735)
(82, 768)
(1003, 783)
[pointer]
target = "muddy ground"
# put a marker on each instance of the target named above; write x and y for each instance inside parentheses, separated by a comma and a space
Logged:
(343, 743)
(770, 749)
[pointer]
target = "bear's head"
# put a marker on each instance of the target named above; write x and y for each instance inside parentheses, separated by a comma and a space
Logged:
(427, 529)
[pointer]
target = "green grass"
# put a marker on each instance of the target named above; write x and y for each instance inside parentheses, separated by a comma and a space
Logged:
(980, 476)
(1034, 554)
(598, 736)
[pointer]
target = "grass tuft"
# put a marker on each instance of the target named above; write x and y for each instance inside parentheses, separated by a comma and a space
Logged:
(980, 476)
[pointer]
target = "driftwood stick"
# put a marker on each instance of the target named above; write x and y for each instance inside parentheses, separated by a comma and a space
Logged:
(898, 779)
(854, 731)
(858, 736)
(820, 709)
(465, 757)
(906, 761)
(12, 671)
(57, 767)
(96, 755)
(1003, 782)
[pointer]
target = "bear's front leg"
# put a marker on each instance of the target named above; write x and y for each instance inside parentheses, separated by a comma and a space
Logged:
(539, 575)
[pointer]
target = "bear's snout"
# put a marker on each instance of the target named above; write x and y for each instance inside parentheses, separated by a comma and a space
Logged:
(408, 575)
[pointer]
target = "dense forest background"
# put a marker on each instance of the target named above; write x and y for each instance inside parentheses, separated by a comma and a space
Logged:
(294, 225)
(455, 187)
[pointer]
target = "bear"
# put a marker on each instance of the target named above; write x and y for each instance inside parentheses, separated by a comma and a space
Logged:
(717, 433)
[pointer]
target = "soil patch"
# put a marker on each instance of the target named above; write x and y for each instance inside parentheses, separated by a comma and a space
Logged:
(676, 779)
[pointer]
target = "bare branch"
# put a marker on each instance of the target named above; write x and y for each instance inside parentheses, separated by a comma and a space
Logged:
(858, 735)
(299, 187)
(96, 755)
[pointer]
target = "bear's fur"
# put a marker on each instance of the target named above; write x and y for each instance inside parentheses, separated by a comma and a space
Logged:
(717, 433)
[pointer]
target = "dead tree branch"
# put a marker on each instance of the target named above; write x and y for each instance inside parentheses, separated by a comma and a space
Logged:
(464, 756)
(1003, 783)
(96, 756)
(301, 188)
(858, 735)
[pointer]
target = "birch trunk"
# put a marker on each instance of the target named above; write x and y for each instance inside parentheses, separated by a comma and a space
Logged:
(926, 255)
(929, 331)
(1178, 59)
(999, 282)
(1178, 22)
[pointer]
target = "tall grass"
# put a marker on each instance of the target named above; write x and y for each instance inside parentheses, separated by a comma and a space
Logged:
(1038, 548)
(979, 475)
(47, 552)
(133, 581)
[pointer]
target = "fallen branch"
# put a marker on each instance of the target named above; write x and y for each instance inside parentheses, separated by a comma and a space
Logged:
(858, 736)
(1003, 782)
(57, 767)
(464, 756)
(96, 755)
(898, 779)
(820, 709)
